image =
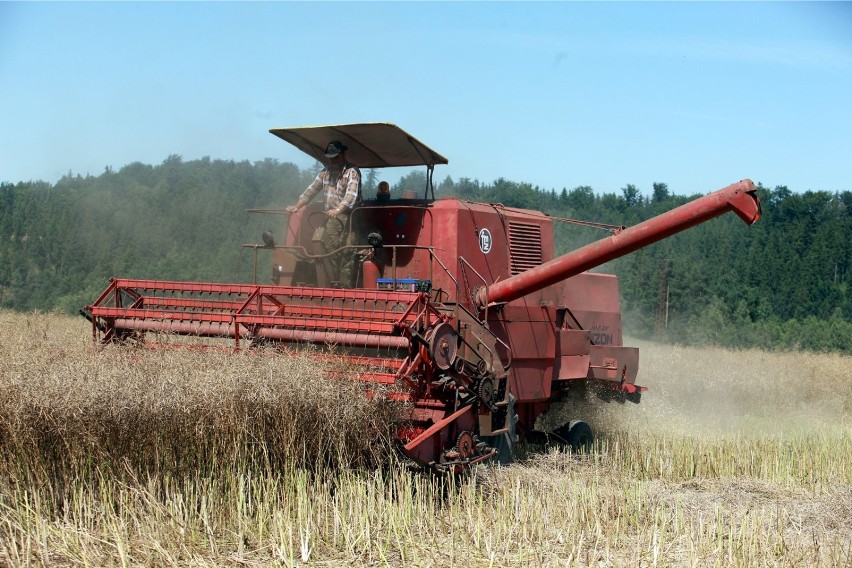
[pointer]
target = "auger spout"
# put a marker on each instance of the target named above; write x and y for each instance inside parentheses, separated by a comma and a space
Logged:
(741, 198)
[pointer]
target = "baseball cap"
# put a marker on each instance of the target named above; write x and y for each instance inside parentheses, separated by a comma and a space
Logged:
(334, 148)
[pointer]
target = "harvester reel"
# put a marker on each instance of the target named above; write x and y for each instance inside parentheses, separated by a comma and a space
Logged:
(443, 346)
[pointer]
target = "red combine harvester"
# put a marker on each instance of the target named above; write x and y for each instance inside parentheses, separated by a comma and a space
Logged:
(461, 306)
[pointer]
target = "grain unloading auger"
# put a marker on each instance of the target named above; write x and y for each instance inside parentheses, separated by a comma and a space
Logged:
(461, 307)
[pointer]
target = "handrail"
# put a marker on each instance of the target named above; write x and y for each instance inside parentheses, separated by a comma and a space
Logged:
(472, 296)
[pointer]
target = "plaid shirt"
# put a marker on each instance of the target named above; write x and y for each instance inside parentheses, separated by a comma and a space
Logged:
(340, 188)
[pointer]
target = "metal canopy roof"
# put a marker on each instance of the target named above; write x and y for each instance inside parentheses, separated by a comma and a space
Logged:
(370, 145)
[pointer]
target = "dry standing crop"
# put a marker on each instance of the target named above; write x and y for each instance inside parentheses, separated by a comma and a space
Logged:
(132, 457)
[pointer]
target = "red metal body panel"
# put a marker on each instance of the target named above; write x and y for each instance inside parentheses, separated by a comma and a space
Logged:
(594, 305)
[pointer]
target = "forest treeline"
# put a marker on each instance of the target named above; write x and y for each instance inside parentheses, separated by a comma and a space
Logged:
(782, 283)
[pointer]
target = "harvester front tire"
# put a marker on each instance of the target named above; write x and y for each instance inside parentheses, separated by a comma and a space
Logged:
(505, 443)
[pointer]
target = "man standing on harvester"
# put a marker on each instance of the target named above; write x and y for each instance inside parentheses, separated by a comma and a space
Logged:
(340, 183)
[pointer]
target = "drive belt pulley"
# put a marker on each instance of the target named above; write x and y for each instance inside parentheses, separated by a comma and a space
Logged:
(443, 346)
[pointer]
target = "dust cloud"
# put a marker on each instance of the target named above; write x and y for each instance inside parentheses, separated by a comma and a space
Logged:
(714, 391)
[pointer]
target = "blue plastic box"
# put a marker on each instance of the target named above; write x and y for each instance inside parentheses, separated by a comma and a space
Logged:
(402, 284)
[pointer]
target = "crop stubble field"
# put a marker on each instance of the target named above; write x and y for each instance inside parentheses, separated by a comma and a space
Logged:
(129, 456)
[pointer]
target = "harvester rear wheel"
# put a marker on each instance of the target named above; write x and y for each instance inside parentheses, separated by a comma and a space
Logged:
(578, 435)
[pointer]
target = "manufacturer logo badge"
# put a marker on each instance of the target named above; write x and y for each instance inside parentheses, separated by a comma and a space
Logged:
(485, 241)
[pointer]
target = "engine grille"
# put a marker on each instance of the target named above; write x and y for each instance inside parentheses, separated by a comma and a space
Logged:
(524, 246)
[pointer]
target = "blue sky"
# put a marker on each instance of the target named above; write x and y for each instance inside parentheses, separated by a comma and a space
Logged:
(557, 94)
